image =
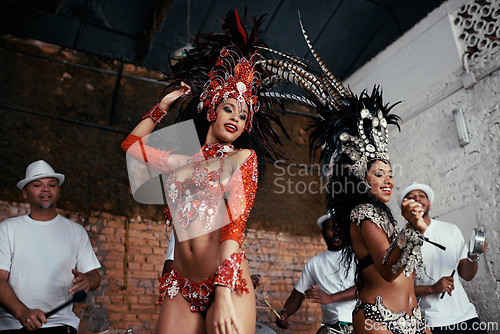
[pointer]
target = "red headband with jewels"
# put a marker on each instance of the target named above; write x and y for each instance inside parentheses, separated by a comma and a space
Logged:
(233, 76)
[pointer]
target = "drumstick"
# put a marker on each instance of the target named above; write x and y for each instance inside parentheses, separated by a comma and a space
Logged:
(78, 297)
(442, 294)
(453, 272)
(272, 309)
(261, 307)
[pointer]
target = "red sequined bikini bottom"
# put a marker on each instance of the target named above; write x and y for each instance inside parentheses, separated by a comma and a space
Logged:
(198, 294)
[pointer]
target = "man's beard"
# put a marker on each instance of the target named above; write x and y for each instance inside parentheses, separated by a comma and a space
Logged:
(335, 245)
(46, 206)
(335, 248)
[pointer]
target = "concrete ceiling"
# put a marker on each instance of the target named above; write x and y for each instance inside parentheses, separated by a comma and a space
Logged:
(346, 33)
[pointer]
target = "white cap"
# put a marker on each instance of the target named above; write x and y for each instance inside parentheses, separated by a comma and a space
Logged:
(39, 170)
(416, 186)
(324, 218)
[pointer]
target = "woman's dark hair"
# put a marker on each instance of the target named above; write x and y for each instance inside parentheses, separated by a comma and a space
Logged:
(345, 189)
(345, 192)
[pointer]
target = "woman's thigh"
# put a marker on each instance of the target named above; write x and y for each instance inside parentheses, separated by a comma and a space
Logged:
(244, 305)
(175, 317)
(245, 310)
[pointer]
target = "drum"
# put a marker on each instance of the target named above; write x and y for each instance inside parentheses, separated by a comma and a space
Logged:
(116, 331)
(476, 243)
(262, 328)
(335, 329)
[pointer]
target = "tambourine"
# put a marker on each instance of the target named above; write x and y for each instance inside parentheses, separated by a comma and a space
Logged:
(476, 242)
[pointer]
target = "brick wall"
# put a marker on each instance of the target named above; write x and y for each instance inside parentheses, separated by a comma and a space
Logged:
(74, 112)
(132, 251)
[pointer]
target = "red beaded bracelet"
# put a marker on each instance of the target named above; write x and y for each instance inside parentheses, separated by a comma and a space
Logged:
(229, 273)
(156, 113)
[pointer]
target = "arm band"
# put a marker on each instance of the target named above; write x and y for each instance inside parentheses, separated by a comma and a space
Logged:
(410, 242)
(229, 273)
(156, 113)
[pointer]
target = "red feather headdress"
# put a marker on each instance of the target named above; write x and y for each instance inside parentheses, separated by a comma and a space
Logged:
(233, 76)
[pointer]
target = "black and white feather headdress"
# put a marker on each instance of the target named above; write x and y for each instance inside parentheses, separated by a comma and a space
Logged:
(350, 130)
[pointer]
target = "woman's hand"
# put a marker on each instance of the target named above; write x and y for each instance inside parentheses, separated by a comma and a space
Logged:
(168, 99)
(225, 320)
(413, 212)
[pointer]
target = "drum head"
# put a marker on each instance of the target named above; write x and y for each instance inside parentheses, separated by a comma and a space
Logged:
(262, 328)
(476, 243)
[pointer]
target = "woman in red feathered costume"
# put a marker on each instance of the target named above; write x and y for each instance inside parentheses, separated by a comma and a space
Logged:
(210, 194)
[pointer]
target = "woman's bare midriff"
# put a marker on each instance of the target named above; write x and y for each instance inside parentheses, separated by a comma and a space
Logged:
(198, 258)
(397, 295)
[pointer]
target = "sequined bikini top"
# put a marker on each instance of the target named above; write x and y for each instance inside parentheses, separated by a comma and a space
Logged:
(202, 192)
(377, 215)
(186, 197)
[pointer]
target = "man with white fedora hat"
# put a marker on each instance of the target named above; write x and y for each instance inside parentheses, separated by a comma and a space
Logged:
(44, 259)
(445, 305)
(324, 280)
(38, 170)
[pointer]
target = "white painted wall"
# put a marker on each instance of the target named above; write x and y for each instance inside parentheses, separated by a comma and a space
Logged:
(424, 57)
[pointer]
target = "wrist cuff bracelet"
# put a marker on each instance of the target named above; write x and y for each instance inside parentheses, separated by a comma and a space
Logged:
(156, 113)
(472, 260)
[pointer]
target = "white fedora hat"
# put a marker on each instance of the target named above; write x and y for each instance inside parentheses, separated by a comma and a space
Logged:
(324, 218)
(416, 186)
(39, 170)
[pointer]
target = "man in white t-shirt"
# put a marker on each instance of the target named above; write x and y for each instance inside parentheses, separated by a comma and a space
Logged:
(44, 260)
(325, 280)
(452, 313)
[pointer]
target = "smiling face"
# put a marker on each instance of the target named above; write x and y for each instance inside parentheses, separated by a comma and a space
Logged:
(331, 235)
(42, 193)
(421, 197)
(379, 177)
(230, 122)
